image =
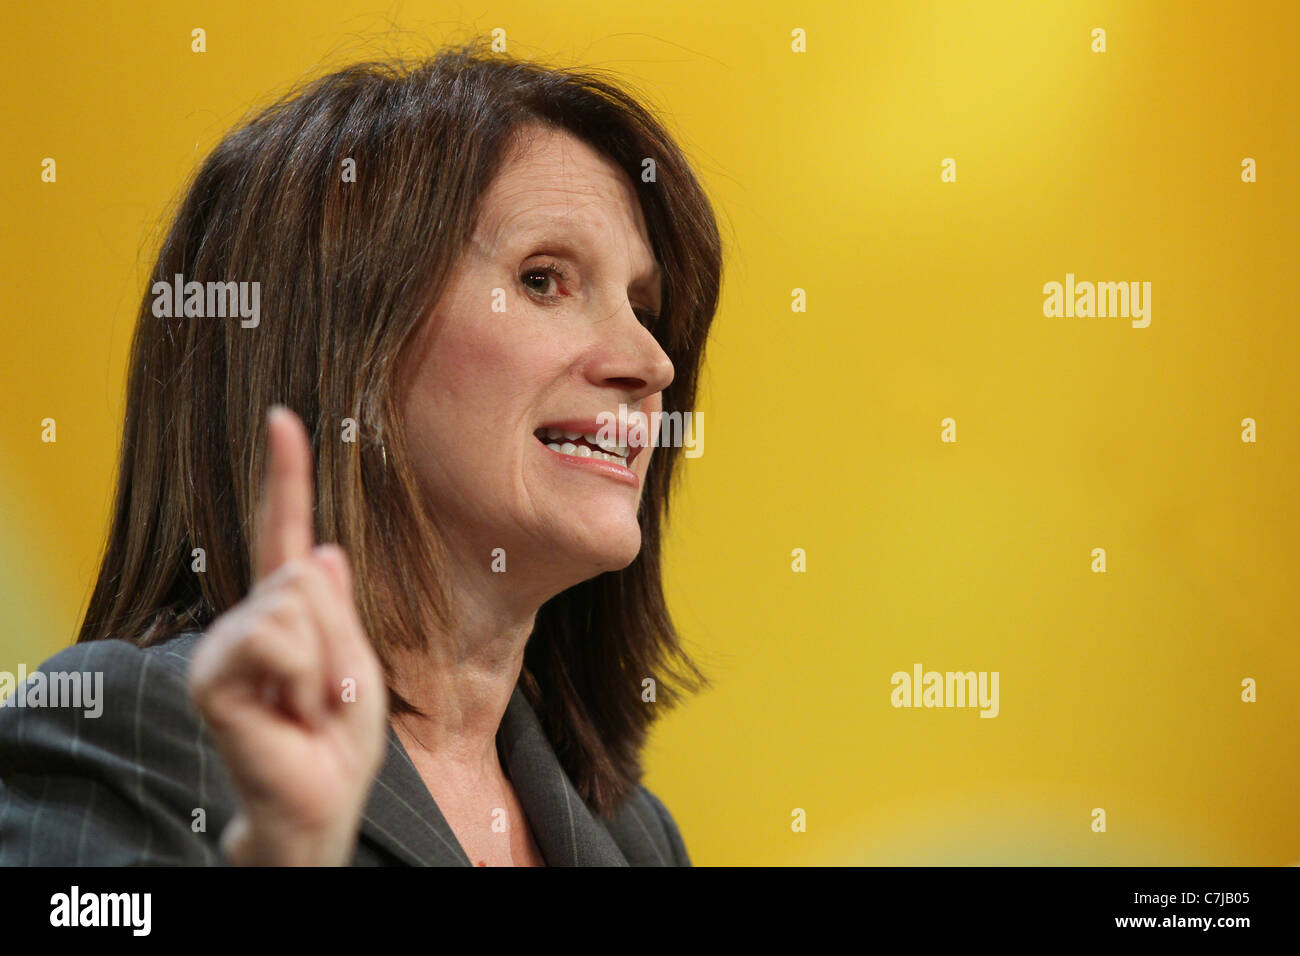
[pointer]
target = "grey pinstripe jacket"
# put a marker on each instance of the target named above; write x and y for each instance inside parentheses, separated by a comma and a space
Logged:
(123, 788)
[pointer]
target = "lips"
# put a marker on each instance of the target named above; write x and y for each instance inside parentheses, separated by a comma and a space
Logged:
(571, 435)
(583, 446)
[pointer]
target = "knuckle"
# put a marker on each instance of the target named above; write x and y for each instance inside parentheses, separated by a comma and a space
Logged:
(309, 580)
(270, 648)
(286, 608)
(299, 570)
(283, 576)
(254, 642)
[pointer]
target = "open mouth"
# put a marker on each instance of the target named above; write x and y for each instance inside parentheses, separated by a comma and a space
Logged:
(585, 445)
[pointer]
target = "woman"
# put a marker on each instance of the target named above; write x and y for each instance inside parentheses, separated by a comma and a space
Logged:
(451, 265)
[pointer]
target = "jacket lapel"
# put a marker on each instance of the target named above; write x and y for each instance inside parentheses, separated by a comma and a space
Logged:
(566, 831)
(402, 816)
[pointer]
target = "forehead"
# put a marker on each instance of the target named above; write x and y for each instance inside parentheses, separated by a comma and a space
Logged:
(556, 185)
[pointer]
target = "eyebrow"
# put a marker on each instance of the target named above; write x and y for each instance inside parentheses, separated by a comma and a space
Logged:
(555, 230)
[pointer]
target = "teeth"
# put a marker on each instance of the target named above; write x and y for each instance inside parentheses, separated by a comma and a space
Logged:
(582, 451)
(609, 446)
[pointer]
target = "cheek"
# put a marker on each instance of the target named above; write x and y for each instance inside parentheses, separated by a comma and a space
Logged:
(484, 379)
(466, 365)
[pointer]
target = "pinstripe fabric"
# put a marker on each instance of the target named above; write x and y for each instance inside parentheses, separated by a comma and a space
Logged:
(143, 784)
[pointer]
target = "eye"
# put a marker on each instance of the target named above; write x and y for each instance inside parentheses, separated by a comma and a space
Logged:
(538, 278)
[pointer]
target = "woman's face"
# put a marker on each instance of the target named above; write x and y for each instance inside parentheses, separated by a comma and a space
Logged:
(541, 325)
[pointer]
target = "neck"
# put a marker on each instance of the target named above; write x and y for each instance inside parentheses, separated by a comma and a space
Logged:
(463, 679)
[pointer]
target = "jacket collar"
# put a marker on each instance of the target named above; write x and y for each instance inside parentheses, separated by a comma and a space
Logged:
(402, 817)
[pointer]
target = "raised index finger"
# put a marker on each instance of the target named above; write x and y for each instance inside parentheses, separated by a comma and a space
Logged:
(285, 528)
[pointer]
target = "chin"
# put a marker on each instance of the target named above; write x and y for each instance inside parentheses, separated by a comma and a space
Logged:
(612, 554)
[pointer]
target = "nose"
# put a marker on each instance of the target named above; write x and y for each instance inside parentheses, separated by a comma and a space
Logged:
(630, 358)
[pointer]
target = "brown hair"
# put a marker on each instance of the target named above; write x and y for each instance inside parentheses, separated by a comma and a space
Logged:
(348, 274)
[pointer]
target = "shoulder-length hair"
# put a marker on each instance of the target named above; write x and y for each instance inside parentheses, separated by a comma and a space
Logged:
(349, 268)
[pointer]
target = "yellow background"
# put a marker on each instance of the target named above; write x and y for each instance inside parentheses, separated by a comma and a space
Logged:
(1118, 690)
